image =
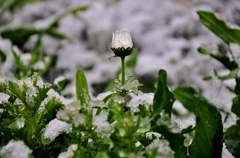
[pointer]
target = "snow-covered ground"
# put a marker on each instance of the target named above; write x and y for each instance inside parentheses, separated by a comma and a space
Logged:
(166, 34)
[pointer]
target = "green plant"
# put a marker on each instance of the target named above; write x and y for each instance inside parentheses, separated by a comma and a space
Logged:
(35, 117)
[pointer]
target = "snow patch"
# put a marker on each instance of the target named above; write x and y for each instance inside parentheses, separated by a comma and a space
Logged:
(55, 128)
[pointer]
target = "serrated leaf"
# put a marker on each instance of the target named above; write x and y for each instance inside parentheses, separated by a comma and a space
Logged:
(232, 140)
(132, 86)
(17, 124)
(236, 106)
(15, 90)
(82, 87)
(231, 65)
(163, 97)
(219, 27)
(209, 131)
(186, 96)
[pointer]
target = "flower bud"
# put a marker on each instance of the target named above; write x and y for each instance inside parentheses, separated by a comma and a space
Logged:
(122, 43)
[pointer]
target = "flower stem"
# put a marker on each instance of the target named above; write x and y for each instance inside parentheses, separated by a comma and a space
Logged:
(123, 70)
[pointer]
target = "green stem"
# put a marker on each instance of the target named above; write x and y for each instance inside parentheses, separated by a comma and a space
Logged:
(123, 70)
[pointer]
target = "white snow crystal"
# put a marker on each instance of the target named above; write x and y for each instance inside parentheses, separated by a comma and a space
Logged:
(102, 125)
(150, 134)
(144, 99)
(69, 153)
(71, 110)
(55, 127)
(15, 149)
(164, 151)
(3, 97)
(59, 79)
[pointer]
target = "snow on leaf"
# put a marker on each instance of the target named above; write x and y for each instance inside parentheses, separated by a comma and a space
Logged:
(55, 127)
(15, 149)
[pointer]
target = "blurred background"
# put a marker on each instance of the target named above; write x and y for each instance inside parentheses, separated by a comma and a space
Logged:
(56, 37)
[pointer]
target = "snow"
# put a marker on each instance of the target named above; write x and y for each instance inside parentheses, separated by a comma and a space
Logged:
(3, 97)
(150, 134)
(167, 35)
(69, 153)
(15, 149)
(59, 79)
(70, 110)
(142, 98)
(164, 151)
(55, 128)
(103, 127)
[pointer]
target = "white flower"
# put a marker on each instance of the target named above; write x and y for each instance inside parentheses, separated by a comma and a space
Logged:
(122, 44)
(122, 38)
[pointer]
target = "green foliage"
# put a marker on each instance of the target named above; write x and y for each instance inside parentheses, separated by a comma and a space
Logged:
(232, 140)
(186, 96)
(228, 35)
(163, 98)
(36, 63)
(219, 27)
(82, 87)
(51, 125)
(209, 131)
(130, 65)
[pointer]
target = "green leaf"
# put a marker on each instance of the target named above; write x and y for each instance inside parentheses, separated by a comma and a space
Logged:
(3, 56)
(82, 87)
(44, 140)
(59, 84)
(54, 33)
(219, 27)
(231, 65)
(176, 140)
(16, 90)
(73, 11)
(163, 97)
(19, 36)
(186, 96)
(234, 74)
(101, 155)
(20, 64)
(236, 106)
(18, 123)
(130, 64)
(232, 140)
(143, 110)
(209, 131)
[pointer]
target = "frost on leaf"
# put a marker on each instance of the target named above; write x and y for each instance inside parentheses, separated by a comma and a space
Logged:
(70, 110)
(164, 151)
(103, 127)
(143, 99)
(56, 127)
(15, 149)
(69, 153)
(3, 97)
(149, 135)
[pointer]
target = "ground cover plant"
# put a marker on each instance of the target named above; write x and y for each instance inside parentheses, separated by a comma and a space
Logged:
(37, 121)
